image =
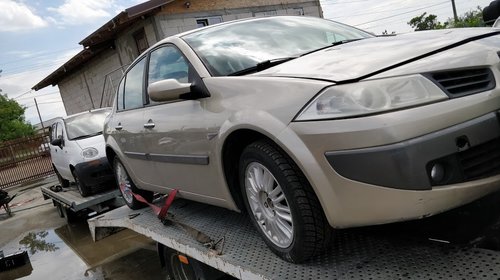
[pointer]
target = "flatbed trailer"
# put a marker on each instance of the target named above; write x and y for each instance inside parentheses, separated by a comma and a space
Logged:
(70, 203)
(366, 253)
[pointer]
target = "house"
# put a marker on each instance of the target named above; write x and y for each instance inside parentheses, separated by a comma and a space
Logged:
(88, 80)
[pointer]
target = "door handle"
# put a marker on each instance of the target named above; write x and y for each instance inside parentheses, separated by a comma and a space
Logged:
(149, 125)
(119, 126)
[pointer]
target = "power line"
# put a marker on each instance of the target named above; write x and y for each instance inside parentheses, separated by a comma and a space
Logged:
(384, 23)
(35, 56)
(441, 3)
(40, 94)
(374, 12)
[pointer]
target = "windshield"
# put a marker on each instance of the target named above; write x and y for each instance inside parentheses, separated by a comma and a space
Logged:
(85, 125)
(231, 48)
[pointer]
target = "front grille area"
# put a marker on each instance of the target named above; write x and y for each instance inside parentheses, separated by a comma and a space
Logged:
(458, 83)
(481, 161)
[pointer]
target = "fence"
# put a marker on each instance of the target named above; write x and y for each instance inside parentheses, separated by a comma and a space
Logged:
(25, 159)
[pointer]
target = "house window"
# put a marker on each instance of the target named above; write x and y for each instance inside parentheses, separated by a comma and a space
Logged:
(141, 41)
(201, 22)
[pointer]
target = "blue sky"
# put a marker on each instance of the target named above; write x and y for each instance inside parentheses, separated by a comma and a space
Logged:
(36, 37)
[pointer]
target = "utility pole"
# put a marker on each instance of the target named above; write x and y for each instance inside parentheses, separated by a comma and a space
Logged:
(40, 116)
(454, 10)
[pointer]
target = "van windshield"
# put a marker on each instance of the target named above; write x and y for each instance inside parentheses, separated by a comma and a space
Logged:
(85, 125)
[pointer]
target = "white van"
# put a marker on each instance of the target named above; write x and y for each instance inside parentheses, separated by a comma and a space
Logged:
(78, 151)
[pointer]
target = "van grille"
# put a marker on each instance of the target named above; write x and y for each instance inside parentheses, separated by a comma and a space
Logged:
(459, 83)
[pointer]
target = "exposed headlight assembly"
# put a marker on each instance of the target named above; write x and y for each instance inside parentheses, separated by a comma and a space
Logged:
(90, 153)
(369, 97)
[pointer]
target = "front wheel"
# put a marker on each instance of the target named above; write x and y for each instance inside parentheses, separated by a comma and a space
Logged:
(63, 182)
(83, 189)
(282, 204)
(128, 188)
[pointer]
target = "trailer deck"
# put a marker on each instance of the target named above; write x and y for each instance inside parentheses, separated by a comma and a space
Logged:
(71, 198)
(364, 253)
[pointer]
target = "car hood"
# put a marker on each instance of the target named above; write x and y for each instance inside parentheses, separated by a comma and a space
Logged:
(94, 142)
(361, 59)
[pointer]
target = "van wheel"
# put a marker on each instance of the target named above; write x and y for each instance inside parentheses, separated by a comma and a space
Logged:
(128, 188)
(63, 182)
(82, 188)
(180, 267)
(282, 204)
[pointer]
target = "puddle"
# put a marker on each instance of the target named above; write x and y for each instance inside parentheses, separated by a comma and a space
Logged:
(68, 252)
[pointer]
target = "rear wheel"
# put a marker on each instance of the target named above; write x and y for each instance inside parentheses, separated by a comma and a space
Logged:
(282, 204)
(128, 188)
(180, 267)
(83, 189)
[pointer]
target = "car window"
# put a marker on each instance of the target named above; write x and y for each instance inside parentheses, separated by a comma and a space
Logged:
(119, 98)
(133, 90)
(167, 63)
(59, 131)
(53, 131)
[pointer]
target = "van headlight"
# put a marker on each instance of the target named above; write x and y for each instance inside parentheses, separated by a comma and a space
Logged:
(370, 97)
(90, 152)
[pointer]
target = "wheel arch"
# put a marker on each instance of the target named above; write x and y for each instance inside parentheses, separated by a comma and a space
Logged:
(291, 145)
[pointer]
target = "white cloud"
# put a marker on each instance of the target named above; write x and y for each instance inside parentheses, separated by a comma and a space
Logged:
(78, 12)
(16, 16)
(49, 100)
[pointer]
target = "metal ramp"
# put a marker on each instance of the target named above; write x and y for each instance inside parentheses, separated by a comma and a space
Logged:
(356, 254)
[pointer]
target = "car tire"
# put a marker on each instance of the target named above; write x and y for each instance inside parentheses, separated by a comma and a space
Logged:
(63, 182)
(129, 187)
(281, 203)
(188, 268)
(83, 189)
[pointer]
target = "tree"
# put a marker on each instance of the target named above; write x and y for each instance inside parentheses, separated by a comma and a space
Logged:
(12, 123)
(473, 18)
(426, 22)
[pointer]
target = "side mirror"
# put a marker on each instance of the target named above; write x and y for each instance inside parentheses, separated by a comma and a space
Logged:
(167, 90)
(56, 142)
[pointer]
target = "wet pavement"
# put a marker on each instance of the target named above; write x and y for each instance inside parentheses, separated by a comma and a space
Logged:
(68, 252)
(58, 250)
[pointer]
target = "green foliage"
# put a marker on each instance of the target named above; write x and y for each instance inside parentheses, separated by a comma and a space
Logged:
(12, 123)
(473, 18)
(426, 22)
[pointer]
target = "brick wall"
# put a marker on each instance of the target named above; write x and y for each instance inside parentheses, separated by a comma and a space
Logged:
(179, 7)
(90, 78)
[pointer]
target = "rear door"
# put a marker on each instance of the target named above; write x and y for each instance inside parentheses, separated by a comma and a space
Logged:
(127, 126)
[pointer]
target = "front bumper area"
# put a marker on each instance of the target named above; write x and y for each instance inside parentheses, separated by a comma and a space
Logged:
(461, 153)
(95, 173)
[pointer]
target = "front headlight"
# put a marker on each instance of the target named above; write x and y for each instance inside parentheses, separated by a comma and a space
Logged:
(90, 152)
(369, 97)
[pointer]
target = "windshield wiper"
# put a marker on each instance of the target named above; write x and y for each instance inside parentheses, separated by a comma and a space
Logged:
(86, 136)
(263, 65)
(332, 45)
